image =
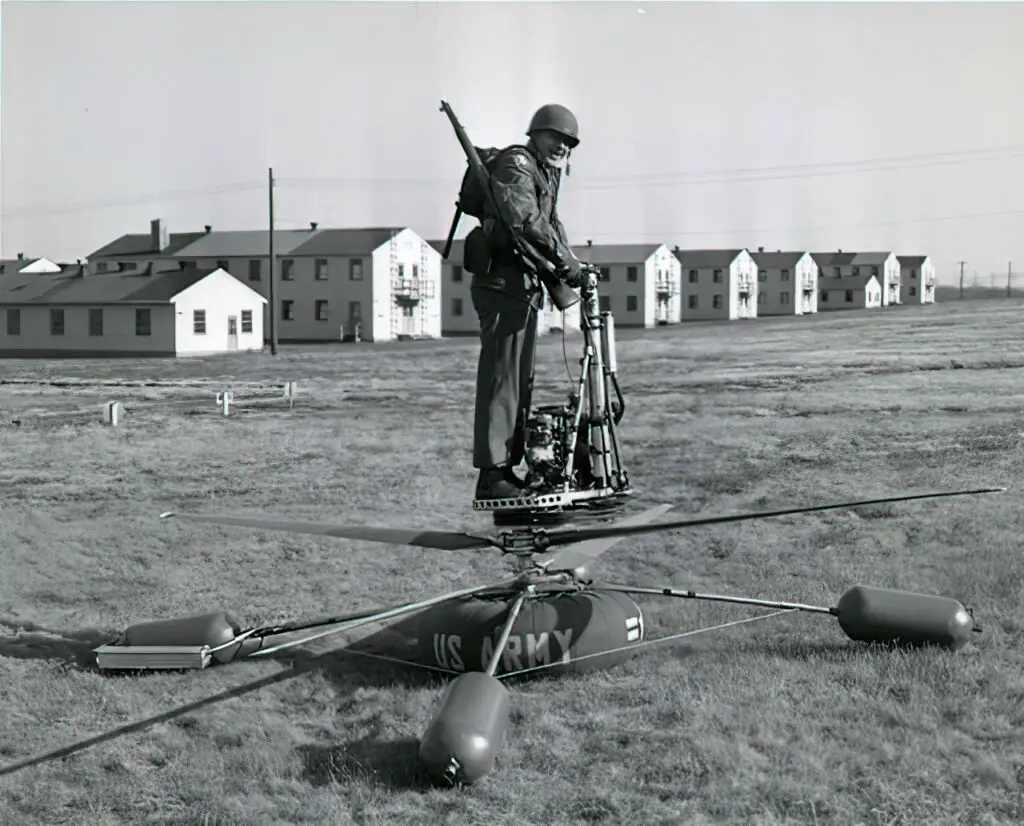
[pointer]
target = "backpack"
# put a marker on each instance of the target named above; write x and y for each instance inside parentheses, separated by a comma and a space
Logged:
(472, 199)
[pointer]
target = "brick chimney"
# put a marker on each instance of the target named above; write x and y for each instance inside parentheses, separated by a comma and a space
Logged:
(313, 225)
(21, 256)
(159, 237)
(208, 228)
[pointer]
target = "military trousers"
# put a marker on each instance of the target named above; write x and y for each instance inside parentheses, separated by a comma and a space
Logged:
(504, 379)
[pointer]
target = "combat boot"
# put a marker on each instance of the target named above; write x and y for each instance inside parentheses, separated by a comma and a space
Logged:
(494, 484)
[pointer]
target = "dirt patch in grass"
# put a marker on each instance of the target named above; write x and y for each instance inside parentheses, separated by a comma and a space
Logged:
(778, 721)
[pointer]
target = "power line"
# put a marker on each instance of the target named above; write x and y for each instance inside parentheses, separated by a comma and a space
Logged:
(721, 176)
(735, 175)
(135, 200)
(756, 231)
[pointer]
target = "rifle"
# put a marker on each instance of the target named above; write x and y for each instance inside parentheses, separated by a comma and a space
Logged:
(562, 295)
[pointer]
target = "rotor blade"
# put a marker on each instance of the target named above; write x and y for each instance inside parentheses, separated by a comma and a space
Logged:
(572, 535)
(391, 613)
(438, 540)
(580, 553)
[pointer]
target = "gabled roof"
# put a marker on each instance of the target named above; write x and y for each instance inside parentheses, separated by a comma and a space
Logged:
(455, 255)
(870, 258)
(835, 259)
(246, 243)
(598, 254)
(328, 243)
(19, 288)
(777, 259)
(850, 282)
(9, 265)
(115, 288)
(702, 259)
(911, 260)
(141, 243)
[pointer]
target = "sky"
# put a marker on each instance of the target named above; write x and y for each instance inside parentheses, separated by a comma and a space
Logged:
(813, 126)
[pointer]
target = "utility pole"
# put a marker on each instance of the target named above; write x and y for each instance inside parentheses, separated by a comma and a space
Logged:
(961, 263)
(273, 269)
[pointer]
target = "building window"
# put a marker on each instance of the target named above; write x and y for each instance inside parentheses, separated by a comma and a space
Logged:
(716, 302)
(320, 269)
(717, 277)
(56, 322)
(760, 298)
(13, 322)
(456, 273)
(222, 264)
(849, 296)
(606, 274)
(415, 271)
(838, 271)
(913, 273)
(605, 303)
(631, 273)
(355, 310)
(401, 270)
(631, 304)
(856, 271)
(913, 291)
(762, 275)
(95, 322)
(693, 276)
(287, 311)
(456, 306)
(785, 275)
(143, 322)
(355, 269)
(199, 322)
(823, 295)
(691, 302)
(321, 310)
(101, 266)
(129, 266)
(874, 271)
(246, 321)
(254, 269)
(286, 270)
(784, 298)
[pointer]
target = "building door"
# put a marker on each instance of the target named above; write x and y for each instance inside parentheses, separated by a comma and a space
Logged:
(232, 332)
(408, 320)
(355, 318)
(661, 310)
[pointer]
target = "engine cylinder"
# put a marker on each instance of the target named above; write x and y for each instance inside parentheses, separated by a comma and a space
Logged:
(869, 614)
(462, 741)
(211, 629)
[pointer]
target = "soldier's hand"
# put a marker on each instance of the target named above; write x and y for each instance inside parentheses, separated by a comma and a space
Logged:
(572, 274)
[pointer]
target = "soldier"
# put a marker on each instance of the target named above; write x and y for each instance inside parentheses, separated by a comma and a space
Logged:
(507, 296)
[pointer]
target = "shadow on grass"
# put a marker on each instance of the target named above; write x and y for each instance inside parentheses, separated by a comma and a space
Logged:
(74, 648)
(394, 764)
(349, 673)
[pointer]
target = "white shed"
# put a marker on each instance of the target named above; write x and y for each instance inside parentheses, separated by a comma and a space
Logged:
(182, 312)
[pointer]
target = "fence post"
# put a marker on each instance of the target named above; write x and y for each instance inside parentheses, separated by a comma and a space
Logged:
(224, 400)
(112, 413)
(290, 388)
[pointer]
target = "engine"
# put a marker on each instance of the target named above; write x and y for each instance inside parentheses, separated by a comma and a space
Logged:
(548, 443)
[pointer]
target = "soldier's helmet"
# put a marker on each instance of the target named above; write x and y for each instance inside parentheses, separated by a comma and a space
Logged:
(557, 118)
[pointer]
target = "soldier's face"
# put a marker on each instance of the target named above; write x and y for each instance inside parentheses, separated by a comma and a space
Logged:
(553, 147)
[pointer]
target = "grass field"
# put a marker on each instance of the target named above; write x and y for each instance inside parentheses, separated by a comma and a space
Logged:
(778, 721)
